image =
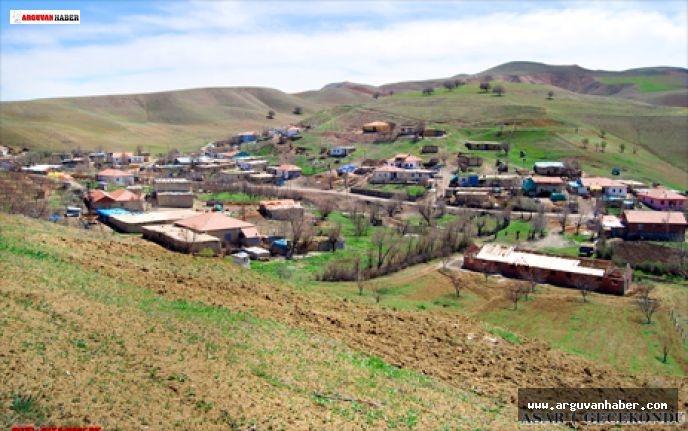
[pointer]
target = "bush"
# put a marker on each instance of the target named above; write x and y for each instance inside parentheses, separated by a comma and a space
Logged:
(206, 252)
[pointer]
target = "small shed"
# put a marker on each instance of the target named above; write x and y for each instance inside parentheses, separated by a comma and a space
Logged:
(257, 252)
(242, 259)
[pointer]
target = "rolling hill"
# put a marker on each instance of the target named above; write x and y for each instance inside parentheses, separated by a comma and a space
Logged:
(627, 105)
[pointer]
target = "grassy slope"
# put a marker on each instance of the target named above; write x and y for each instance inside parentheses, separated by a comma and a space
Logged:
(606, 329)
(93, 346)
(549, 131)
(159, 122)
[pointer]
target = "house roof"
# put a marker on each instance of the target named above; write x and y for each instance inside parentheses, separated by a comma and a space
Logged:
(376, 123)
(549, 165)
(212, 221)
(600, 181)
(655, 217)
(506, 254)
(250, 232)
(661, 193)
(122, 154)
(288, 167)
(109, 172)
(547, 180)
(611, 222)
(277, 203)
(123, 195)
(389, 169)
(119, 195)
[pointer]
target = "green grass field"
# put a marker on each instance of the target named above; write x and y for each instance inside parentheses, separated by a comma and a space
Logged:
(646, 83)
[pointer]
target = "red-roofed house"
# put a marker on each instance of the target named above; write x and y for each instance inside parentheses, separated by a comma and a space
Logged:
(662, 199)
(653, 225)
(115, 176)
(120, 198)
(231, 231)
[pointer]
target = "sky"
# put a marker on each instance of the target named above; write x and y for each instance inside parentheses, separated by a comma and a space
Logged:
(125, 47)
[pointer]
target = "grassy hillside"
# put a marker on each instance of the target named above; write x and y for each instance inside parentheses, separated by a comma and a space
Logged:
(158, 122)
(116, 332)
(545, 129)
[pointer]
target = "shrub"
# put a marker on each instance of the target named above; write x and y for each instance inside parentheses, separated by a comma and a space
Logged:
(206, 252)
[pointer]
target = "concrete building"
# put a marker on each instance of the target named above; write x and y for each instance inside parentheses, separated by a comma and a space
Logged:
(601, 186)
(342, 151)
(232, 232)
(281, 209)
(484, 145)
(180, 239)
(405, 161)
(173, 192)
(662, 199)
(287, 171)
(603, 275)
(543, 186)
(393, 174)
(115, 176)
(120, 198)
(134, 223)
(654, 225)
(550, 169)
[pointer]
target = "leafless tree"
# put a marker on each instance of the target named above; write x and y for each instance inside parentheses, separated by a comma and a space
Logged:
(585, 287)
(298, 227)
(362, 277)
(648, 306)
(480, 223)
(579, 223)
(426, 209)
(384, 242)
(666, 346)
(564, 218)
(333, 235)
(392, 206)
(515, 292)
(539, 222)
(455, 280)
(326, 206)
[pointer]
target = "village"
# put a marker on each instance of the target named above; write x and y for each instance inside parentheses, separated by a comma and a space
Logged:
(549, 221)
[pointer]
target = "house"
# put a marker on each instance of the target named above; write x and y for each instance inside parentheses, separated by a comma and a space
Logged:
(601, 186)
(115, 176)
(232, 232)
(408, 129)
(120, 198)
(662, 199)
(655, 226)
(41, 169)
(433, 133)
(378, 127)
(125, 158)
(280, 209)
(509, 261)
(287, 171)
(248, 137)
(507, 181)
(469, 161)
(406, 161)
(429, 149)
(181, 239)
(543, 186)
(612, 227)
(231, 175)
(134, 223)
(550, 169)
(484, 145)
(234, 154)
(392, 174)
(4, 151)
(252, 164)
(292, 132)
(342, 151)
(173, 192)
(192, 160)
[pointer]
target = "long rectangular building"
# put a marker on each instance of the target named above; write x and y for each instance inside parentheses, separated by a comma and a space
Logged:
(603, 275)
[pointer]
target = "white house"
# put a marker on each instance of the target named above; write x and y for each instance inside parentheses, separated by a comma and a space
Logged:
(405, 161)
(605, 186)
(341, 151)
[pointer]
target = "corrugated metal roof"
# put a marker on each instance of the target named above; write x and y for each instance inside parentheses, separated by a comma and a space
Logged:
(506, 254)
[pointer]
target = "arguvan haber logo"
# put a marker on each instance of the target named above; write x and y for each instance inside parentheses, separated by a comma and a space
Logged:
(45, 17)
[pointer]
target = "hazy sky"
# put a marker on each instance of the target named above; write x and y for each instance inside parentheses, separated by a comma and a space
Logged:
(131, 47)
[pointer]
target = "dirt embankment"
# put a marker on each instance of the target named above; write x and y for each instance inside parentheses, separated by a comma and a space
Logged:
(440, 344)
